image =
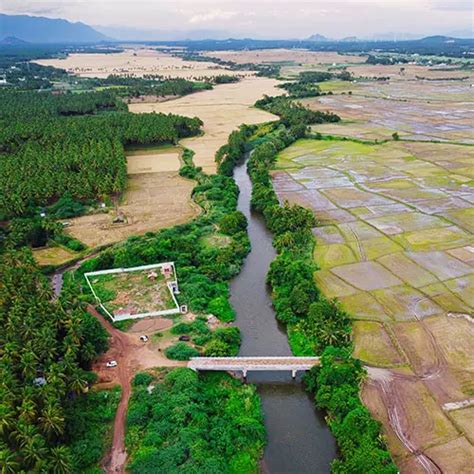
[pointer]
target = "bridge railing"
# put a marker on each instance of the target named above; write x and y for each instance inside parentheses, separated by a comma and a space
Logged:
(245, 364)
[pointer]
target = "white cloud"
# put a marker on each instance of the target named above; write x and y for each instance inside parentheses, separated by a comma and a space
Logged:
(212, 16)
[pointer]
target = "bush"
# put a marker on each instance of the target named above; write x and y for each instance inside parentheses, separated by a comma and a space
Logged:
(142, 378)
(221, 308)
(217, 348)
(233, 223)
(181, 351)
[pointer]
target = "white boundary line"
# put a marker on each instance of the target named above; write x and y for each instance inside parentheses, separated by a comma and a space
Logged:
(124, 317)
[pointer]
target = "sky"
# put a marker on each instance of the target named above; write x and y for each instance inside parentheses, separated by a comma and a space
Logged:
(264, 18)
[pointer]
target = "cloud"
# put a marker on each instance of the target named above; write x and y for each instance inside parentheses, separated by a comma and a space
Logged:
(452, 5)
(212, 16)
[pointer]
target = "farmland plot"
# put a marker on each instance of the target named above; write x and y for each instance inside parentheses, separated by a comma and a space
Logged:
(395, 246)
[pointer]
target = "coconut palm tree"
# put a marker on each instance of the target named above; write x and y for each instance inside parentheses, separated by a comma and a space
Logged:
(60, 460)
(8, 461)
(52, 419)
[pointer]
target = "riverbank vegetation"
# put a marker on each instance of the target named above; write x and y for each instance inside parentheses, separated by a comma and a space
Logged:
(316, 326)
(181, 421)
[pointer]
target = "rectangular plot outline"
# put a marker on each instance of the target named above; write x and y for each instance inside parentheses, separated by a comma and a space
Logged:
(124, 317)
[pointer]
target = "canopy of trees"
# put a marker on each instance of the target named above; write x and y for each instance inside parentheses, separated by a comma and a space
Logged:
(194, 423)
(47, 348)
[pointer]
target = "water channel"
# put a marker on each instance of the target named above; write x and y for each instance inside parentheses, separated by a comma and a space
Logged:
(298, 441)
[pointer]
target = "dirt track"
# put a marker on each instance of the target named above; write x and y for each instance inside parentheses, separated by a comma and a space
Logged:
(131, 356)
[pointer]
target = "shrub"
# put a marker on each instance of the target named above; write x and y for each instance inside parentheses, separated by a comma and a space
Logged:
(221, 308)
(233, 223)
(142, 378)
(181, 351)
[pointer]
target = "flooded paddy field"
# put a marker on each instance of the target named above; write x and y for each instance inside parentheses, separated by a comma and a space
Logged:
(439, 110)
(395, 245)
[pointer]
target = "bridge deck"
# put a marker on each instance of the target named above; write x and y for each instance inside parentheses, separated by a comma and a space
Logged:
(253, 363)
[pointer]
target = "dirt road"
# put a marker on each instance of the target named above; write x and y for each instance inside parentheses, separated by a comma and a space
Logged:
(131, 356)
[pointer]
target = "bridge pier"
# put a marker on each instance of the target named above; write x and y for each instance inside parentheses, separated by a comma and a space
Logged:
(244, 373)
(293, 374)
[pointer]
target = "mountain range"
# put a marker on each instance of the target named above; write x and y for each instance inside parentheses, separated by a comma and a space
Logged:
(37, 29)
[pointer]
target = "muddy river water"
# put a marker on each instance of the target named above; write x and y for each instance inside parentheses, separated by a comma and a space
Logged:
(299, 441)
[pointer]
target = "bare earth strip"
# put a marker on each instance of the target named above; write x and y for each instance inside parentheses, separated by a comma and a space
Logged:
(222, 110)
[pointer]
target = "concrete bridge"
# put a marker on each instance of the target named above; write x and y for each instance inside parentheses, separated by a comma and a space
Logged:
(245, 364)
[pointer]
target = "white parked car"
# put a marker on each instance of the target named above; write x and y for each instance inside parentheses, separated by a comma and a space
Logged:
(111, 363)
(144, 338)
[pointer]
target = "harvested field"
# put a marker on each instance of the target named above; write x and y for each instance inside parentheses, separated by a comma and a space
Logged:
(222, 109)
(293, 56)
(153, 200)
(395, 246)
(137, 62)
(153, 160)
(53, 255)
(374, 346)
(464, 418)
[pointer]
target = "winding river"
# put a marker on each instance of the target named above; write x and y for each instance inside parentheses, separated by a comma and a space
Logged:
(299, 441)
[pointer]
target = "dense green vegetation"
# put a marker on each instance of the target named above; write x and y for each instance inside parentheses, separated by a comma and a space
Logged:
(88, 422)
(315, 325)
(47, 348)
(293, 114)
(209, 423)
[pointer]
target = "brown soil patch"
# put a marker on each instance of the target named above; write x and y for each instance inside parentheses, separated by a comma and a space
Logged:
(222, 109)
(150, 325)
(151, 202)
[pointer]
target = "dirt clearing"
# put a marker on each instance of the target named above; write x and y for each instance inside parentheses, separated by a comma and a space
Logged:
(151, 202)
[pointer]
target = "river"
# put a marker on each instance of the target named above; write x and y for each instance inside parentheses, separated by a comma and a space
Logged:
(298, 441)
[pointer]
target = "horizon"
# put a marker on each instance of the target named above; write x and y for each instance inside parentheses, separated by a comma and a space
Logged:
(393, 20)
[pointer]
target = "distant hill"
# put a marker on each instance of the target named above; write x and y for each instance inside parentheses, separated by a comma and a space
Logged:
(439, 39)
(36, 29)
(12, 41)
(318, 38)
